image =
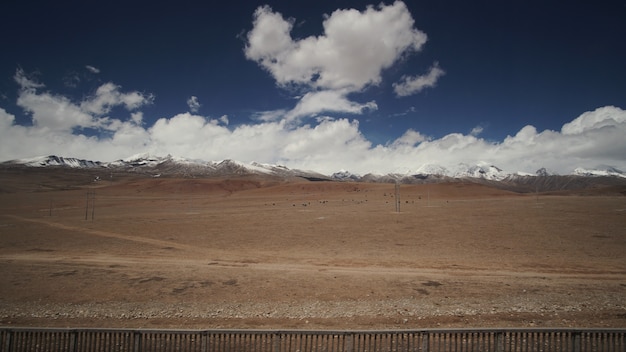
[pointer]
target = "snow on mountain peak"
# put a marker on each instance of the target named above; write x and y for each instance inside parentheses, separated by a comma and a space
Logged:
(179, 165)
(600, 171)
(481, 170)
(53, 160)
(141, 159)
(344, 175)
(432, 169)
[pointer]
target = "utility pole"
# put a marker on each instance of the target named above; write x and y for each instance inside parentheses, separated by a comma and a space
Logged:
(91, 199)
(397, 197)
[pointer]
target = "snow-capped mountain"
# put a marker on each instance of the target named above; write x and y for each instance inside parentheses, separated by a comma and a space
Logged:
(175, 166)
(53, 160)
(542, 180)
(344, 175)
(433, 172)
(600, 171)
(143, 159)
(432, 169)
(482, 171)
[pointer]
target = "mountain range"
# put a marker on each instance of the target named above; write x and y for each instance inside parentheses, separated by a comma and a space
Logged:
(169, 166)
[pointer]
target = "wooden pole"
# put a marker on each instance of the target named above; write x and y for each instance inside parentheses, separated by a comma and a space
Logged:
(397, 197)
(91, 197)
(87, 207)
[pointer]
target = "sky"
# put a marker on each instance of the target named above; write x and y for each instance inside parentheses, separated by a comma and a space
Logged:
(318, 85)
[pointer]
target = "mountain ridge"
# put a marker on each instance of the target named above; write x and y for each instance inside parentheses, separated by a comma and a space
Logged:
(484, 173)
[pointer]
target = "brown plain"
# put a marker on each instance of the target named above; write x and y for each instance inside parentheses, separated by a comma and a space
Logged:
(254, 253)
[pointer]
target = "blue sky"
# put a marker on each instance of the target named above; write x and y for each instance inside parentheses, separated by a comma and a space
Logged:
(312, 84)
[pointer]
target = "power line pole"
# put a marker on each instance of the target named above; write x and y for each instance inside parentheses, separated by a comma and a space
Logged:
(91, 199)
(397, 197)
(87, 207)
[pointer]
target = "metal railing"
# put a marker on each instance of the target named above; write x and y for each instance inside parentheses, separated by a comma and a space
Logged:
(435, 340)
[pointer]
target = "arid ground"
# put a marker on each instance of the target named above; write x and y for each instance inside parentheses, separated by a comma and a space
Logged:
(132, 251)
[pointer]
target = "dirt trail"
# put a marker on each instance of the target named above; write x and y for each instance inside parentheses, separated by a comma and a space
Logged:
(154, 242)
(187, 260)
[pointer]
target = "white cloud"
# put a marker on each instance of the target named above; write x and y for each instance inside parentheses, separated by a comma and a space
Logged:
(183, 129)
(137, 117)
(349, 56)
(193, 104)
(476, 131)
(608, 116)
(271, 115)
(54, 112)
(59, 113)
(410, 85)
(355, 47)
(26, 82)
(92, 69)
(409, 139)
(6, 119)
(594, 138)
(326, 101)
(109, 96)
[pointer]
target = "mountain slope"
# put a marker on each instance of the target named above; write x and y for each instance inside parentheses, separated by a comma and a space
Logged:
(484, 173)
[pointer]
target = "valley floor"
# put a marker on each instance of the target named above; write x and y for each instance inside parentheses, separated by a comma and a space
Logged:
(246, 253)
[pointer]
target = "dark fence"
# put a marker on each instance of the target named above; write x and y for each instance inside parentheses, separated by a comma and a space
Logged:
(504, 340)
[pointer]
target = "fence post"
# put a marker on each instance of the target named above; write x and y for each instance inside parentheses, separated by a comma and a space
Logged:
(74, 341)
(426, 341)
(137, 335)
(349, 339)
(204, 340)
(9, 341)
(576, 341)
(276, 342)
(500, 341)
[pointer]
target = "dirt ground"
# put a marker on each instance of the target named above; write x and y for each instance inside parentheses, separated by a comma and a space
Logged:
(250, 253)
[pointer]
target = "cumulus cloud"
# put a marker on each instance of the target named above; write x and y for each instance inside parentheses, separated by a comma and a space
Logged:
(591, 139)
(349, 56)
(326, 101)
(59, 113)
(608, 116)
(355, 47)
(410, 85)
(193, 104)
(409, 139)
(108, 96)
(6, 120)
(476, 131)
